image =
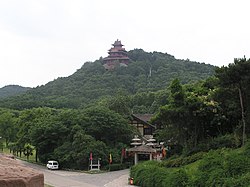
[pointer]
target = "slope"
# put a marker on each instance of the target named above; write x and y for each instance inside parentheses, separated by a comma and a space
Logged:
(12, 90)
(146, 72)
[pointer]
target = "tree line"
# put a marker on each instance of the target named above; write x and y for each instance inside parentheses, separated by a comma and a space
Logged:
(190, 115)
(147, 72)
(67, 135)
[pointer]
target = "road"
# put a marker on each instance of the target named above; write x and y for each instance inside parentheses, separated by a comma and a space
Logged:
(60, 178)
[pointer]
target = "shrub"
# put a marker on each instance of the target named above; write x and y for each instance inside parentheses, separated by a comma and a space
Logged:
(210, 171)
(241, 181)
(213, 160)
(148, 174)
(226, 141)
(215, 177)
(181, 161)
(247, 149)
(236, 164)
(221, 167)
(202, 147)
(193, 158)
(116, 167)
(177, 178)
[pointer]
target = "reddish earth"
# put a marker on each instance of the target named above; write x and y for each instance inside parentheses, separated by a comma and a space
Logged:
(13, 174)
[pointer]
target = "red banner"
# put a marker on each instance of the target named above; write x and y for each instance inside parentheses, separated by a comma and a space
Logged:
(90, 156)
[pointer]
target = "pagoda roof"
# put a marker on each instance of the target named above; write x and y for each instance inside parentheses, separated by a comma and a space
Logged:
(118, 43)
(117, 49)
(116, 58)
(142, 149)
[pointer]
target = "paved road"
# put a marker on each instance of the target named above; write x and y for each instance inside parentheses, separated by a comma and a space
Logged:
(60, 178)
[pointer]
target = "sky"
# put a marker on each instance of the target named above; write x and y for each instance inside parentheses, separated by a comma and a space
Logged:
(41, 40)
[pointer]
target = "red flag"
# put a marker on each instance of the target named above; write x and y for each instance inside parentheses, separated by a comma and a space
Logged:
(164, 152)
(90, 156)
(123, 153)
(110, 158)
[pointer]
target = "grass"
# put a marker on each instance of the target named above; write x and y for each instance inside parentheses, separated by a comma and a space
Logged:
(32, 158)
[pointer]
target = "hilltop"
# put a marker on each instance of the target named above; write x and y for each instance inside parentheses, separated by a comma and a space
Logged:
(147, 71)
(12, 90)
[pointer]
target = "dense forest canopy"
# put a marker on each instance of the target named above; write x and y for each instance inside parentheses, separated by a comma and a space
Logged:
(12, 90)
(198, 107)
(147, 72)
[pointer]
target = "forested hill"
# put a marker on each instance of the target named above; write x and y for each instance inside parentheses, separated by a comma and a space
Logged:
(147, 72)
(12, 90)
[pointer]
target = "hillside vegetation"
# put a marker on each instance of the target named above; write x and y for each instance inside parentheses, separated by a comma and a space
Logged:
(203, 120)
(205, 127)
(146, 72)
(221, 167)
(12, 90)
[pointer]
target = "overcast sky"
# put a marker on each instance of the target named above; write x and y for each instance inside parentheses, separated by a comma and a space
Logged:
(41, 40)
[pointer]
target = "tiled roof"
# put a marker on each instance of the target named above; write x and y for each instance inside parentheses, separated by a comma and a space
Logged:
(143, 117)
(142, 148)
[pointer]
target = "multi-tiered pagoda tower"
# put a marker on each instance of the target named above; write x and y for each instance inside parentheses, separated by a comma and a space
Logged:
(117, 56)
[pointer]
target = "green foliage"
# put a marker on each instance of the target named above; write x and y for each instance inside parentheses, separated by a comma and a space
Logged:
(220, 166)
(234, 84)
(92, 82)
(8, 128)
(182, 161)
(12, 90)
(151, 174)
(247, 149)
(116, 167)
(240, 181)
(107, 126)
(148, 174)
(28, 150)
(177, 178)
(69, 135)
(225, 141)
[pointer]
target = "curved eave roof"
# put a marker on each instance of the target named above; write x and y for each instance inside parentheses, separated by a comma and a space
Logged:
(142, 149)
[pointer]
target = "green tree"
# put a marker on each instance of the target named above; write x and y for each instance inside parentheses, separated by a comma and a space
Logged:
(120, 103)
(107, 126)
(173, 115)
(236, 77)
(192, 115)
(75, 151)
(28, 150)
(8, 127)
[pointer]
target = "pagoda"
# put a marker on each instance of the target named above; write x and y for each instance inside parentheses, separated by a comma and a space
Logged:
(117, 56)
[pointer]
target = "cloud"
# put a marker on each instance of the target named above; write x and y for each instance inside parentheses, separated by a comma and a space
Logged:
(46, 39)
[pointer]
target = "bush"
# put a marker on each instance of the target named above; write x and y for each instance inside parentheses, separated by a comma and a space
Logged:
(246, 151)
(193, 158)
(241, 181)
(226, 141)
(236, 164)
(116, 167)
(148, 174)
(221, 168)
(202, 147)
(210, 171)
(178, 178)
(181, 161)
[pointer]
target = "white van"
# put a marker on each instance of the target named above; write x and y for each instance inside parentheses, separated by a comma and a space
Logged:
(52, 164)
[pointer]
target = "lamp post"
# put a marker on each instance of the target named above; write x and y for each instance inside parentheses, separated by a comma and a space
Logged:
(135, 142)
(151, 143)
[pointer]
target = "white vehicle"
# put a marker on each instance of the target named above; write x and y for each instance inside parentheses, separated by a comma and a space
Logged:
(52, 164)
